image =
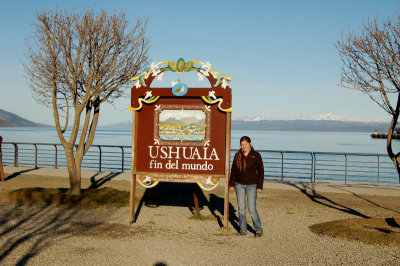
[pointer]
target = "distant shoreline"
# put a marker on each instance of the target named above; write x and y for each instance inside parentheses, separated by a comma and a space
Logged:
(275, 125)
(294, 125)
(10, 120)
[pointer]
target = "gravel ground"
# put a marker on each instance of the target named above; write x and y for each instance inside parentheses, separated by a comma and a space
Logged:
(166, 234)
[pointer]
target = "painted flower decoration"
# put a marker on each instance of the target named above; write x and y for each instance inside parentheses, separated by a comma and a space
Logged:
(137, 84)
(224, 83)
(201, 77)
(211, 94)
(160, 77)
(148, 94)
(180, 66)
(203, 70)
(156, 72)
(154, 65)
(206, 65)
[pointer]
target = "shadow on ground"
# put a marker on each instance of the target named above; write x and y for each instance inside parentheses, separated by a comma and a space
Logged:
(382, 231)
(15, 174)
(101, 181)
(27, 230)
(35, 228)
(181, 194)
(308, 189)
(365, 199)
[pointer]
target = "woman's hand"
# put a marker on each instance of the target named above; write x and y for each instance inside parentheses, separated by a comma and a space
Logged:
(259, 190)
(230, 188)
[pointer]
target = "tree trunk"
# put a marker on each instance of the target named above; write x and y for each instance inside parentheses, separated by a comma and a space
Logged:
(395, 157)
(73, 172)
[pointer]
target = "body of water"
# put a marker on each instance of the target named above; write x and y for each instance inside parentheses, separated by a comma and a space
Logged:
(285, 166)
(346, 142)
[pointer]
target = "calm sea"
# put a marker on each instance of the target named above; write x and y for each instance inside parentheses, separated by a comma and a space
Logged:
(351, 142)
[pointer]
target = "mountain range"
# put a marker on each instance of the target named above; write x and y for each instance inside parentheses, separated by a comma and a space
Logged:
(185, 120)
(328, 116)
(311, 125)
(264, 124)
(8, 119)
(328, 123)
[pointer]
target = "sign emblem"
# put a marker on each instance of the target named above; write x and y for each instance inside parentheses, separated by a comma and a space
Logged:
(179, 89)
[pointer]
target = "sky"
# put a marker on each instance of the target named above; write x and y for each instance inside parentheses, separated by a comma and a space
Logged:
(280, 54)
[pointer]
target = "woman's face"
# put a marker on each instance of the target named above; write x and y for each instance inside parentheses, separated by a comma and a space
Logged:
(246, 146)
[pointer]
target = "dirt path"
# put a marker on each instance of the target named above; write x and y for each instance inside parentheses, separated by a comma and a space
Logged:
(165, 232)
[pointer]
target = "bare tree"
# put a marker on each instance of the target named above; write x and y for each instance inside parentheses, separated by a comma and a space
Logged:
(371, 64)
(76, 62)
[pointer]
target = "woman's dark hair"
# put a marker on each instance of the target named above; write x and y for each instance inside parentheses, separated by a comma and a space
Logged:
(239, 157)
(245, 138)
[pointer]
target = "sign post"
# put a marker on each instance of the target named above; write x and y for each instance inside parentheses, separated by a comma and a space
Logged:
(181, 134)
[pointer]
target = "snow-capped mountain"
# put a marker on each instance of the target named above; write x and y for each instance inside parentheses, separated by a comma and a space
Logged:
(328, 122)
(190, 120)
(328, 116)
(173, 120)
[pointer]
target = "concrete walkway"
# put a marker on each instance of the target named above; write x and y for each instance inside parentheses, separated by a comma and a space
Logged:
(287, 185)
(165, 232)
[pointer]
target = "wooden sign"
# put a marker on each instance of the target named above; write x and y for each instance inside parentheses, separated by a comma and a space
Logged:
(181, 134)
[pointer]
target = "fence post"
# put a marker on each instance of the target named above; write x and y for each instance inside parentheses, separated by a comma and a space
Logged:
(36, 153)
(123, 157)
(1, 162)
(282, 166)
(378, 171)
(15, 154)
(315, 165)
(312, 163)
(99, 158)
(55, 156)
(345, 169)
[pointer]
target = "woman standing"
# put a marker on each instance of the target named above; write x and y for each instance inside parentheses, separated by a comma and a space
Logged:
(247, 176)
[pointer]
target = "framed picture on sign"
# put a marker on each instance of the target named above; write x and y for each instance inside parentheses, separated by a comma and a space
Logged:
(187, 125)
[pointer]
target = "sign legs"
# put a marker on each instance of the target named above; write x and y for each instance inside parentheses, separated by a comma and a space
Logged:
(133, 169)
(195, 199)
(227, 168)
(132, 199)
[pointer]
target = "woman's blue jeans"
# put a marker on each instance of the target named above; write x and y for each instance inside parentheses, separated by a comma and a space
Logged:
(249, 192)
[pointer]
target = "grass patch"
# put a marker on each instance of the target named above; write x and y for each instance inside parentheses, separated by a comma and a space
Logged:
(198, 216)
(226, 230)
(384, 231)
(104, 197)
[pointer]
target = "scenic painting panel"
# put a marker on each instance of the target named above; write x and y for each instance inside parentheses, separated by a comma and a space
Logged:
(182, 125)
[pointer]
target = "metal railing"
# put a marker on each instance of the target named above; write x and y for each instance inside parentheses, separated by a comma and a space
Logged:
(332, 167)
(98, 157)
(347, 168)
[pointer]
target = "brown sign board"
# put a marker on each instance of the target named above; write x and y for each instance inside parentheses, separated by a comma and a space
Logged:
(181, 134)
